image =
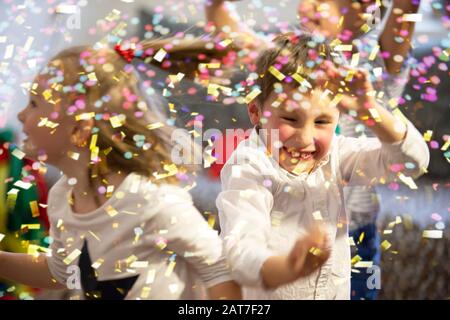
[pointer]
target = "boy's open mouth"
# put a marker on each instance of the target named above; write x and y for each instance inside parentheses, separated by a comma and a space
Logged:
(299, 155)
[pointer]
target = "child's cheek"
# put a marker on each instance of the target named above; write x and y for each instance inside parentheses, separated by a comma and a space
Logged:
(285, 132)
(323, 142)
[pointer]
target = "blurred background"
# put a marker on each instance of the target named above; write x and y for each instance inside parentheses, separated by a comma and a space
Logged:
(413, 266)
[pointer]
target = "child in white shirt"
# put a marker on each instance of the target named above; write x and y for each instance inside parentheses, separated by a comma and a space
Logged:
(289, 175)
(120, 226)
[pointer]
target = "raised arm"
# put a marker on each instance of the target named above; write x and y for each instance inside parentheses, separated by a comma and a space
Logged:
(229, 25)
(28, 270)
(397, 28)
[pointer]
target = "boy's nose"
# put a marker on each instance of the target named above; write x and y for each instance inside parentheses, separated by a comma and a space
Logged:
(304, 138)
(21, 116)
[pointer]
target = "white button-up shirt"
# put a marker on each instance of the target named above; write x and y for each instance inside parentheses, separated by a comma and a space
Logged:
(264, 209)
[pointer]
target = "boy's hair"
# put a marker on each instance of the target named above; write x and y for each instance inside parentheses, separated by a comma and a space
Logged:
(291, 58)
(130, 135)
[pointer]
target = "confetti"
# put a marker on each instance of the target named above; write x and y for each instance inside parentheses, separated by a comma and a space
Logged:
(72, 256)
(160, 55)
(276, 73)
(66, 8)
(155, 125)
(432, 234)
(2, 236)
(412, 17)
(343, 47)
(18, 154)
(85, 116)
(252, 95)
(150, 276)
(317, 215)
(23, 185)
(97, 264)
(32, 226)
(385, 245)
(34, 209)
(111, 211)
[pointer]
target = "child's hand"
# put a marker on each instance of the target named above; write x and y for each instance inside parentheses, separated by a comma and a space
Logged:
(355, 86)
(309, 253)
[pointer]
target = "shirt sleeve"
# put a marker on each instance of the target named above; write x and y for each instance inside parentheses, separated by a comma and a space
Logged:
(187, 234)
(244, 212)
(364, 160)
(55, 261)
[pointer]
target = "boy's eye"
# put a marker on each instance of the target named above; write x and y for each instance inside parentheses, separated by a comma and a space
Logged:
(322, 122)
(288, 119)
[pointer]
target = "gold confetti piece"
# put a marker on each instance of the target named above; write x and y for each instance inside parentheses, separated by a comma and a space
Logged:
(72, 256)
(93, 142)
(94, 235)
(9, 52)
(363, 264)
(59, 223)
(150, 276)
(85, 116)
(111, 211)
(211, 221)
(303, 82)
(209, 65)
(225, 43)
(343, 47)
(113, 15)
(350, 75)
(361, 238)
(145, 293)
(374, 52)
(109, 191)
(47, 123)
(155, 125)
(2, 236)
(34, 250)
(385, 245)
(91, 76)
(337, 99)
(131, 259)
(73, 155)
(18, 154)
(28, 44)
(139, 264)
(252, 95)
(97, 263)
(432, 234)
(117, 121)
(408, 181)
(412, 17)
(23, 185)
(276, 73)
(387, 231)
(446, 145)
(32, 226)
(356, 259)
(375, 115)
(365, 28)
(317, 215)
(66, 8)
(170, 268)
(355, 60)
(160, 55)
(34, 209)
(427, 135)
(351, 241)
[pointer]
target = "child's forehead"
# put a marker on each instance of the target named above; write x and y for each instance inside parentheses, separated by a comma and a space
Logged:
(313, 103)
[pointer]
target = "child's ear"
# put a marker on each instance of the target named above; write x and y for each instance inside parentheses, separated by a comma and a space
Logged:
(82, 132)
(254, 112)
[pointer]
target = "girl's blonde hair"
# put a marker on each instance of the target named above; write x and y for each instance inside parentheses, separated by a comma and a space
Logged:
(129, 133)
